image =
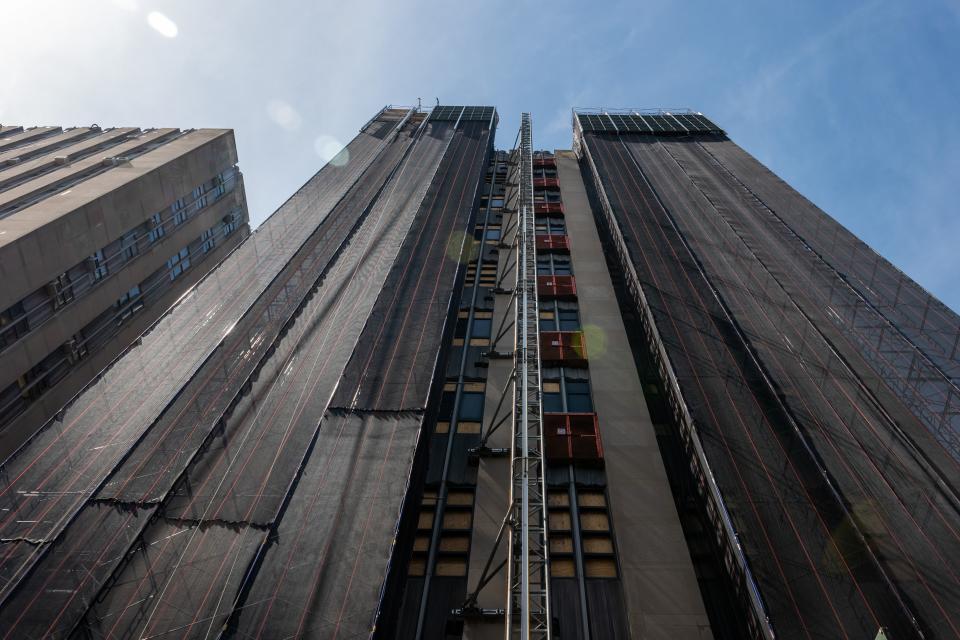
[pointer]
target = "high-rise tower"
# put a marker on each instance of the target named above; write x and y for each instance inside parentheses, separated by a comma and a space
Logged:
(101, 230)
(637, 389)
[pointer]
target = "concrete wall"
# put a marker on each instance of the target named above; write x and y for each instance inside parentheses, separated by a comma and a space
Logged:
(493, 474)
(45, 239)
(44, 338)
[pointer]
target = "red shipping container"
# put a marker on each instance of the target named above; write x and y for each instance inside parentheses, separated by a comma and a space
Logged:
(572, 437)
(546, 183)
(563, 348)
(551, 242)
(556, 287)
(548, 207)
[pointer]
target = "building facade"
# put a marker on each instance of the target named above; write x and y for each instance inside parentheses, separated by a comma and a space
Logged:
(101, 230)
(636, 389)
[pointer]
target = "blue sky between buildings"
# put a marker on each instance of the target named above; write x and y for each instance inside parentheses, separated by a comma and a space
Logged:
(854, 104)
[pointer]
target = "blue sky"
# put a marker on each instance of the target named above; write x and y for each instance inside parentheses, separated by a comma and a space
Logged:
(854, 104)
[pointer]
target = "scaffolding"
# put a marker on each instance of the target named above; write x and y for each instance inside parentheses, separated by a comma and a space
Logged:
(528, 612)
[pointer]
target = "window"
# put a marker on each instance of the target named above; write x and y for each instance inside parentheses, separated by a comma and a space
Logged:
(61, 290)
(179, 263)
(229, 224)
(13, 324)
(549, 264)
(219, 185)
(208, 240)
(552, 398)
(559, 315)
(129, 246)
(566, 390)
(578, 396)
(453, 550)
(76, 348)
(544, 172)
(553, 226)
(488, 274)
(179, 212)
(481, 328)
(471, 407)
(569, 319)
(157, 230)
(596, 540)
(129, 303)
(492, 234)
(199, 197)
(98, 265)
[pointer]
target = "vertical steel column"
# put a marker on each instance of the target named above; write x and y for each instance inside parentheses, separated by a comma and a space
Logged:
(528, 607)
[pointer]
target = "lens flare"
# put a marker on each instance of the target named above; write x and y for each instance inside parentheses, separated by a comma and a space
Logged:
(162, 24)
(470, 247)
(284, 115)
(331, 150)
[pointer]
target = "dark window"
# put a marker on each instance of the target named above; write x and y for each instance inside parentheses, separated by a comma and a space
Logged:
(13, 324)
(548, 320)
(481, 328)
(569, 320)
(578, 397)
(129, 303)
(76, 348)
(130, 247)
(219, 185)
(179, 263)
(553, 226)
(549, 264)
(552, 398)
(471, 407)
(229, 224)
(61, 290)
(208, 240)
(179, 212)
(98, 265)
(572, 396)
(199, 197)
(157, 230)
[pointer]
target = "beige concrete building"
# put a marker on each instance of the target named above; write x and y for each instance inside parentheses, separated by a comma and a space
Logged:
(101, 231)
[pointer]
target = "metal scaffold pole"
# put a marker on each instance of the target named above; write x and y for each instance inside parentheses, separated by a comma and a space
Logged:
(528, 613)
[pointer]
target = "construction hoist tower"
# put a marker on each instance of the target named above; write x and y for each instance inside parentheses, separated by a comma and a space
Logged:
(528, 612)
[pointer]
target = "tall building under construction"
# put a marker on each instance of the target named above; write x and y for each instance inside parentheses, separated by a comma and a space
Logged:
(637, 389)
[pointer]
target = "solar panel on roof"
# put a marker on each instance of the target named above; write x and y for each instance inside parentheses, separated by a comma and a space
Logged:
(655, 125)
(630, 123)
(641, 123)
(647, 124)
(461, 113)
(672, 124)
(708, 125)
(689, 124)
